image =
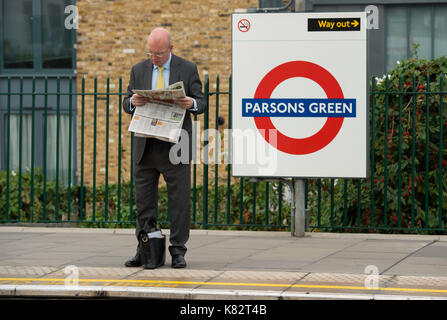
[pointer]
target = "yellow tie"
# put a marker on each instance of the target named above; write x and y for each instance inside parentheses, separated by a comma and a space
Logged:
(160, 79)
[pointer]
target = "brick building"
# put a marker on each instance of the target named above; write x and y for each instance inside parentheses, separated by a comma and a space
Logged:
(111, 37)
(39, 49)
(42, 41)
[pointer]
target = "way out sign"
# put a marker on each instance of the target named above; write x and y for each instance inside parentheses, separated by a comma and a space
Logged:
(299, 95)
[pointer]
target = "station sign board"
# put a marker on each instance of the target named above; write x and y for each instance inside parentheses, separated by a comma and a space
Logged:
(299, 95)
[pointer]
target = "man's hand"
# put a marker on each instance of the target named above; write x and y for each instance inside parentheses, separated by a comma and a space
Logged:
(138, 100)
(185, 103)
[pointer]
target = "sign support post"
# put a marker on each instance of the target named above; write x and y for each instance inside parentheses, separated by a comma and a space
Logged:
(299, 97)
(300, 206)
(299, 214)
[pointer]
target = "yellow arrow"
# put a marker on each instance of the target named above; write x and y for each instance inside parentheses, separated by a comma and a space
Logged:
(355, 23)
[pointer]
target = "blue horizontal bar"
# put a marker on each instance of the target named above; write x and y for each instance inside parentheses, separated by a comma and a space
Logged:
(310, 108)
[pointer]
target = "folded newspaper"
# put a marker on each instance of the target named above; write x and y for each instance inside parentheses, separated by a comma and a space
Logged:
(160, 118)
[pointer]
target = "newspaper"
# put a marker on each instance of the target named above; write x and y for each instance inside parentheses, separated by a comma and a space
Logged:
(174, 91)
(160, 118)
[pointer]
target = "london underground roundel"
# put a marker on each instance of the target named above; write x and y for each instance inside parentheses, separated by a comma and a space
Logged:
(326, 81)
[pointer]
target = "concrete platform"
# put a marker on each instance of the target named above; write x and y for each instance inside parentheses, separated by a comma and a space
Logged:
(75, 262)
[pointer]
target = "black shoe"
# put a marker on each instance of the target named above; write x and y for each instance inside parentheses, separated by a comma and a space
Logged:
(134, 262)
(178, 261)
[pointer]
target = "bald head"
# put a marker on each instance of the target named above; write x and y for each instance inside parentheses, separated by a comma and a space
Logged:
(160, 35)
(159, 44)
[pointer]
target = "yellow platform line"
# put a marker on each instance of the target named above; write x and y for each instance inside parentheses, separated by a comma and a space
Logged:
(109, 282)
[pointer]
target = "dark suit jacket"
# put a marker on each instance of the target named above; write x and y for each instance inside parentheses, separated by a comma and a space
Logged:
(180, 70)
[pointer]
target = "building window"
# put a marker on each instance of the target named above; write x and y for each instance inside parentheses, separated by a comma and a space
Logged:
(60, 160)
(440, 27)
(405, 26)
(34, 44)
(57, 47)
(25, 140)
(18, 34)
(34, 36)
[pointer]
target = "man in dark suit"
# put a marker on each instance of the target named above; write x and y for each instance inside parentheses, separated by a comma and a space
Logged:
(151, 156)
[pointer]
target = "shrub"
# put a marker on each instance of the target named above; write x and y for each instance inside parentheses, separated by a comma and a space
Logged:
(121, 209)
(407, 187)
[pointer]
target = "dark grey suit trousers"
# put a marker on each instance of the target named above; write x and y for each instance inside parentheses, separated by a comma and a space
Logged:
(155, 161)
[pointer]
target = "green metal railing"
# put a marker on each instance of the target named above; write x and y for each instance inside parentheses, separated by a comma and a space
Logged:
(406, 190)
(106, 203)
(407, 187)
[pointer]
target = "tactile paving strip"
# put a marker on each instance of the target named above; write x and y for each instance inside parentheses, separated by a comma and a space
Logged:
(341, 278)
(400, 281)
(178, 273)
(94, 272)
(26, 271)
(262, 276)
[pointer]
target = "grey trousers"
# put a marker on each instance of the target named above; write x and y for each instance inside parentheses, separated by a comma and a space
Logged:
(155, 161)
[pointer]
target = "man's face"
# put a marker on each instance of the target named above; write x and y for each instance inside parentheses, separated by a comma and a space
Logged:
(159, 51)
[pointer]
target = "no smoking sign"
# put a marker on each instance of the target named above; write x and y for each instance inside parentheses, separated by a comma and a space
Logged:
(243, 25)
(299, 98)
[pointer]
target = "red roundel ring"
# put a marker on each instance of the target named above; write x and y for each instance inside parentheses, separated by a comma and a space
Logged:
(325, 80)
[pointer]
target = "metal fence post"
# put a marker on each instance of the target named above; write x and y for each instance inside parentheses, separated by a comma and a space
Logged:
(205, 156)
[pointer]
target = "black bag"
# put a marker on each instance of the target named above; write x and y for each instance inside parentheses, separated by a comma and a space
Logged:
(152, 249)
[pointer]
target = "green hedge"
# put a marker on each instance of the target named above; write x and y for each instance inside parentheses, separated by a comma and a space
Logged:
(94, 213)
